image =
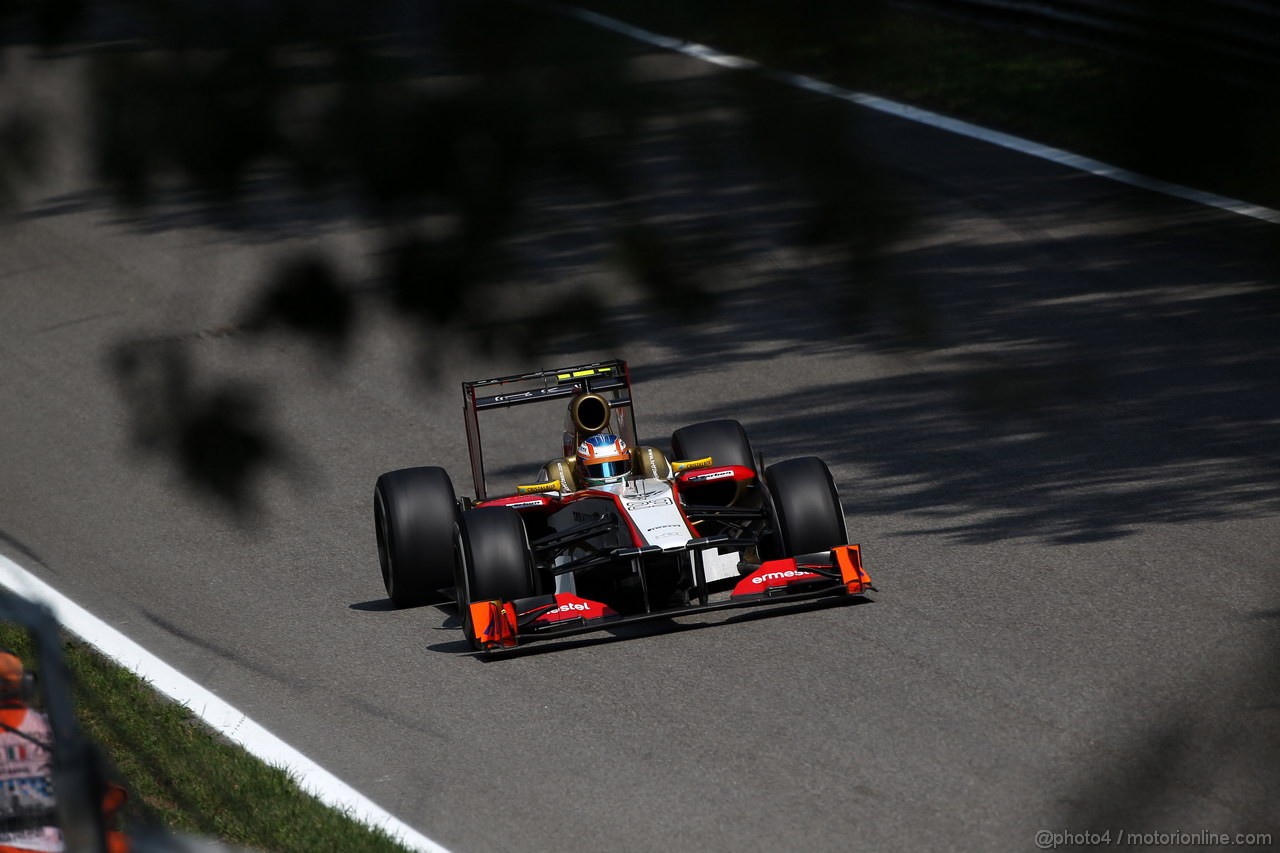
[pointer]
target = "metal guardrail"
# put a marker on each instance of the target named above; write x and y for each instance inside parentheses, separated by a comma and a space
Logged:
(1230, 39)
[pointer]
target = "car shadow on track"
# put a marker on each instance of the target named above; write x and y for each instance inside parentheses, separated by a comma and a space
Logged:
(373, 605)
(640, 630)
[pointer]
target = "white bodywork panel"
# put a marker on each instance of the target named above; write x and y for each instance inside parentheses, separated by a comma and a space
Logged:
(718, 566)
(651, 505)
(565, 582)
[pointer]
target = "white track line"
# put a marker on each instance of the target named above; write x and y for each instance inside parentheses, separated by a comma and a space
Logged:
(951, 125)
(222, 717)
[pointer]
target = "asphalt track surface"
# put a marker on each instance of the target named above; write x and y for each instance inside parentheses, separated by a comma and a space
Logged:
(1069, 503)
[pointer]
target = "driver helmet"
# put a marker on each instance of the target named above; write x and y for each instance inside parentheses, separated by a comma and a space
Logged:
(603, 458)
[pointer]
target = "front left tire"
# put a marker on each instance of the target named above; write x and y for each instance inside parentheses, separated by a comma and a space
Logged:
(414, 512)
(492, 560)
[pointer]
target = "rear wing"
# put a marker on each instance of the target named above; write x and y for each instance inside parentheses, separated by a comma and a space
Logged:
(610, 379)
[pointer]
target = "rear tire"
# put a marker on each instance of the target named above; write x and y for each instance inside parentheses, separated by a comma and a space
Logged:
(725, 441)
(414, 511)
(493, 560)
(804, 509)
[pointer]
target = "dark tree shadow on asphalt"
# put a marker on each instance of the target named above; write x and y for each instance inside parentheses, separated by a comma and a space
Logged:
(545, 148)
(489, 148)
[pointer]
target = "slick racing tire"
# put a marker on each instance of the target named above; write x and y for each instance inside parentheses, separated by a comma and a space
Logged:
(803, 509)
(725, 441)
(492, 559)
(414, 511)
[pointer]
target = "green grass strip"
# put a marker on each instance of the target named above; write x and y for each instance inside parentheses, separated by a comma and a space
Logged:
(183, 776)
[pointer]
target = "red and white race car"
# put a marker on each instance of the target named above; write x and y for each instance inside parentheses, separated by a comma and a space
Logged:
(610, 532)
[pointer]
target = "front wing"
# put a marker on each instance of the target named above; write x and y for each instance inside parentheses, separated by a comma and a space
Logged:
(500, 625)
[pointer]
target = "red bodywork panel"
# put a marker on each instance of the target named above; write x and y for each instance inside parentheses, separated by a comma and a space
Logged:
(569, 607)
(773, 574)
(522, 502)
(709, 475)
(776, 574)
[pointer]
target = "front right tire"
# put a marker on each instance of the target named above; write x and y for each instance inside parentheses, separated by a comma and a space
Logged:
(804, 509)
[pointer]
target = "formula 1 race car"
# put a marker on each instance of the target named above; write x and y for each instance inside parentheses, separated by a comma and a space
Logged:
(610, 532)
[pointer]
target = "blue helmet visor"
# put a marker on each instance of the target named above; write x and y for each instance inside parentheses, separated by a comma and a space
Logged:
(607, 470)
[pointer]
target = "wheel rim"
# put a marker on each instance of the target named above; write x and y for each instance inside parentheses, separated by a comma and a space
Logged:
(384, 550)
(462, 592)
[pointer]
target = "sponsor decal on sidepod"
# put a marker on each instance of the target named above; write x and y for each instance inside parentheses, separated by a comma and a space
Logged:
(714, 475)
(524, 504)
